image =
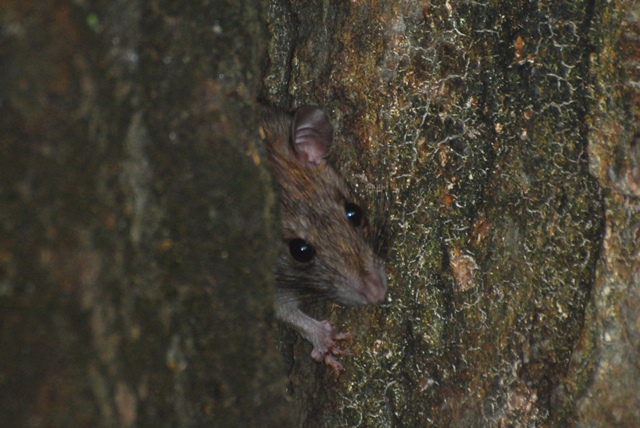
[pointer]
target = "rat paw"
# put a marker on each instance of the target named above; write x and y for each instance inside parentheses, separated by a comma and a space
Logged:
(325, 345)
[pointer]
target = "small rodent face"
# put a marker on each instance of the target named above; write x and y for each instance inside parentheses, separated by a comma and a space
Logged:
(327, 240)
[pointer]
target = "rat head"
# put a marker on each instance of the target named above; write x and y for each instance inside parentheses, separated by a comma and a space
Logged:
(327, 240)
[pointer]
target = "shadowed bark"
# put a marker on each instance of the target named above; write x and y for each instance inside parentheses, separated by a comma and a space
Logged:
(139, 228)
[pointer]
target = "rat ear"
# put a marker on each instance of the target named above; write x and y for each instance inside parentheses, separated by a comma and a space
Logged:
(312, 136)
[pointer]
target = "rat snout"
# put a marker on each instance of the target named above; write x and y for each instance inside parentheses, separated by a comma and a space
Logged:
(363, 288)
(375, 287)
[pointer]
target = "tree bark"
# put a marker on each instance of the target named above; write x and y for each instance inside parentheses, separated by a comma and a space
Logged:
(139, 226)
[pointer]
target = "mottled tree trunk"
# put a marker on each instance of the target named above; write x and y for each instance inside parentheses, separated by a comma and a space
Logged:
(138, 219)
(139, 228)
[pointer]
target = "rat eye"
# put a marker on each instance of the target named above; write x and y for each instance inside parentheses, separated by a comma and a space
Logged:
(301, 250)
(354, 213)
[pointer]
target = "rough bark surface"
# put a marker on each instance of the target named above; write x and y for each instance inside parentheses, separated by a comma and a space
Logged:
(137, 217)
(138, 224)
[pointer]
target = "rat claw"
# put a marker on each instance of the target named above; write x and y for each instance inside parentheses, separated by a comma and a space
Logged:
(342, 352)
(326, 347)
(343, 336)
(333, 363)
(320, 356)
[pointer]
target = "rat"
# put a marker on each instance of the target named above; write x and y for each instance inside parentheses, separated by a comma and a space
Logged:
(327, 243)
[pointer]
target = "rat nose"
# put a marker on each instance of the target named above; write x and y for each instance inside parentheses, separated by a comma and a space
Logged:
(375, 287)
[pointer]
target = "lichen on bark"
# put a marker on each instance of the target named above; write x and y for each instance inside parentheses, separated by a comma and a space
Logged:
(138, 224)
(471, 115)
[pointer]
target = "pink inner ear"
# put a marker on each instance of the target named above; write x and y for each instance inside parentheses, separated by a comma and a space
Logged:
(312, 136)
(309, 154)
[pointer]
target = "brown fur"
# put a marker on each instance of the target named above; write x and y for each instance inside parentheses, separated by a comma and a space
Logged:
(312, 207)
